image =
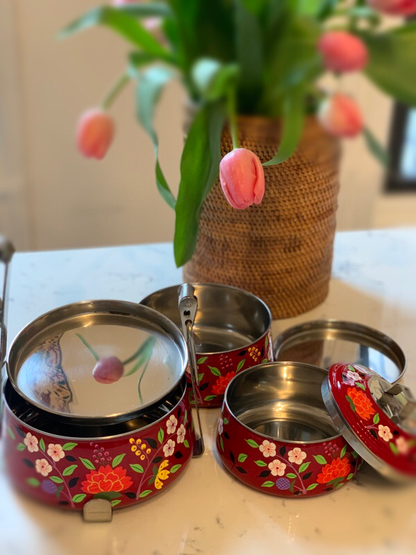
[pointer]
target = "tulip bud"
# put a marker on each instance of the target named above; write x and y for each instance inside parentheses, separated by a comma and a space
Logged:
(394, 7)
(342, 51)
(108, 370)
(242, 178)
(94, 133)
(340, 116)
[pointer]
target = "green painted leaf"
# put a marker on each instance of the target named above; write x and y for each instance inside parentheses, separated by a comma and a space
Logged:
(69, 470)
(312, 486)
(202, 360)
(87, 463)
(137, 468)
(350, 476)
(33, 482)
(79, 497)
(161, 435)
(21, 447)
(320, 459)
(58, 492)
(343, 451)
(291, 475)
(42, 444)
(376, 418)
(393, 448)
(145, 493)
(340, 485)
(360, 385)
(354, 454)
(117, 460)
(222, 443)
(225, 421)
(69, 446)
(209, 397)
(200, 377)
(266, 343)
(351, 368)
(240, 365)
(260, 463)
(115, 502)
(242, 457)
(186, 443)
(11, 432)
(252, 443)
(107, 495)
(185, 418)
(267, 484)
(351, 402)
(175, 468)
(214, 371)
(56, 479)
(304, 467)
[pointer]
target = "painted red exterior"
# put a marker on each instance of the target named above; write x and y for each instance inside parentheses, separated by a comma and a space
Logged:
(216, 370)
(282, 468)
(385, 439)
(126, 469)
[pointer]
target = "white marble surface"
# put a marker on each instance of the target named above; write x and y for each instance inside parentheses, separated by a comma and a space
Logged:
(207, 511)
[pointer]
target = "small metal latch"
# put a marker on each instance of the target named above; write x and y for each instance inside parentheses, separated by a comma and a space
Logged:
(98, 510)
(399, 404)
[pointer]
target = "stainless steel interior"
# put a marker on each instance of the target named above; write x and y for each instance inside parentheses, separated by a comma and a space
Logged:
(326, 342)
(228, 318)
(283, 401)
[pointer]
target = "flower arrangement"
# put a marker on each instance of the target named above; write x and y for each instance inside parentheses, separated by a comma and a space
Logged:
(254, 57)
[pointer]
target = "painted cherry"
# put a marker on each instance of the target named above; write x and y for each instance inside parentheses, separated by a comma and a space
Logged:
(108, 370)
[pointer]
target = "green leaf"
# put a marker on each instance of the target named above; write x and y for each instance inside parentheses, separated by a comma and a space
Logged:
(392, 61)
(69, 470)
(304, 467)
(267, 484)
(161, 435)
(354, 454)
(252, 443)
(266, 343)
(200, 377)
(42, 444)
(69, 446)
(351, 402)
(213, 79)
(199, 169)
(393, 448)
(320, 459)
(222, 443)
(145, 493)
(312, 486)
(87, 463)
(343, 451)
(209, 397)
(79, 497)
(214, 371)
(186, 443)
(175, 468)
(117, 460)
(319, 9)
(33, 482)
(379, 152)
(11, 433)
(202, 360)
(350, 476)
(150, 85)
(107, 495)
(260, 463)
(242, 457)
(360, 385)
(58, 492)
(137, 468)
(376, 418)
(154, 9)
(122, 23)
(293, 120)
(21, 447)
(56, 479)
(240, 365)
(225, 421)
(291, 475)
(115, 502)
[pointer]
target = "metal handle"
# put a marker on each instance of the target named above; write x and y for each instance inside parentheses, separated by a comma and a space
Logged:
(399, 404)
(188, 306)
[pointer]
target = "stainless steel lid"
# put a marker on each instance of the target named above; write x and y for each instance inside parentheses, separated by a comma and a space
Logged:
(104, 360)
(326, 342)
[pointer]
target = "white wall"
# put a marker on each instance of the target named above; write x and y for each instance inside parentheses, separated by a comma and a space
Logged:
(51, 197)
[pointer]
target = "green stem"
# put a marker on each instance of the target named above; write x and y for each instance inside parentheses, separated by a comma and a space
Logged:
(115, 91)
(232, 117)
(140, 381)
(91, 350)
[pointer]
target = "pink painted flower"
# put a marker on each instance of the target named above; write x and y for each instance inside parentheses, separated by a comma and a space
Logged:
(43, 467)
(169, 448)
(394, 7)
(56, 452)
(181, 433)
(268, 448)
(277, 468)
(384, 432)
(296, 455)
(108, 370)
(402, 446)
(352, 377)
(95, 133)
(220, 426)
(171, 424)
(340, 116)
(242, 178)
(31, 443)
(342, 51)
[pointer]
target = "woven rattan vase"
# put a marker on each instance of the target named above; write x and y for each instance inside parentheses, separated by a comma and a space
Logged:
(280, 250)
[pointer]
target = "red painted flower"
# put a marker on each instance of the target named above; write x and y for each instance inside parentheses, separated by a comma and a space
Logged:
(362, 404)
(222, 382)
(106, 479)
(338, 468)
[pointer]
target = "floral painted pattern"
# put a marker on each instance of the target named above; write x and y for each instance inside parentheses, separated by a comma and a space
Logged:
(43, 467)
(31, 443)
(55, 452)
(277, 468)
(222, 383)
(338, 468)
(362, 404)
(106, 479)
(297, 456)
(268, 448)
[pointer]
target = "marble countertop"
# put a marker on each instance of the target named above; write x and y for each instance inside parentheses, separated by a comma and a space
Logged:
(207, 511)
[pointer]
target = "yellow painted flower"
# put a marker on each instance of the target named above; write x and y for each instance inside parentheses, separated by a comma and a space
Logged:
(148, 451)
(134, 448)
(131, 440)
(138, 441)
(162, 474)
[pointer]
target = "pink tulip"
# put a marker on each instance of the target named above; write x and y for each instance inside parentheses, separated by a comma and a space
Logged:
(340, 116)
(108, 370)
(124, 2)
(94, 133)
(394, 7)
(242, 178)
(342, 51)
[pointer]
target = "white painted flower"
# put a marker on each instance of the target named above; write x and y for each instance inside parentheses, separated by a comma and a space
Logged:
(402, 446)
(181, 433)
(384, 432)
(43, 467)
(169, 448)
(31, 443)
(268, 448)
(171, 424)
(278, 468)
(220, 426)
(297, 456)
(56, 452)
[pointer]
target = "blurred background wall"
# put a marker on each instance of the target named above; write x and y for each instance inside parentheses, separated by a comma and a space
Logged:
(52, 198)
